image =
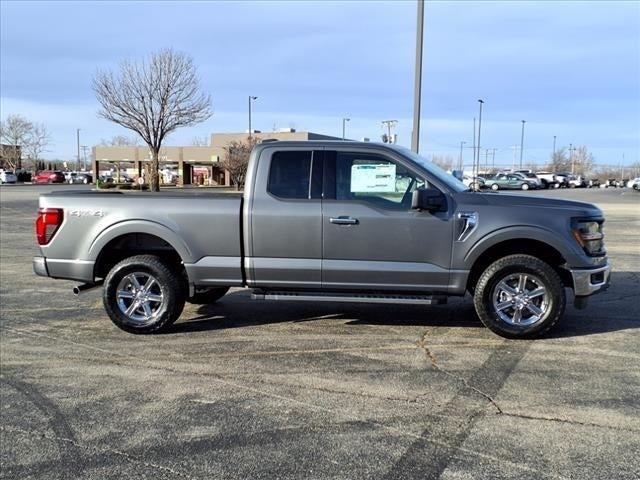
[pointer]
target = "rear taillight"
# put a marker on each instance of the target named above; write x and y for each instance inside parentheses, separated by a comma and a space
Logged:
(47, 224)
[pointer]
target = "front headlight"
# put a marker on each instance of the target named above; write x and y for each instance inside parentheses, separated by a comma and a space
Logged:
(589, 235)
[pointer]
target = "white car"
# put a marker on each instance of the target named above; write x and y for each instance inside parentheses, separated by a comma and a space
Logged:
(634, 183)
(7, 176)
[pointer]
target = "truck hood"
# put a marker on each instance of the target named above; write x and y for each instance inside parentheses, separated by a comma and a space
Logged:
(529, 201)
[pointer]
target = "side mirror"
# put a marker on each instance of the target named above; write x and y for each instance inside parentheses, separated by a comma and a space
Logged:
(429, 199)
(459, 174)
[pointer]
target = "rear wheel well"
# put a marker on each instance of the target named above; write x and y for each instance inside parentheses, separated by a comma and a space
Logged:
(525, 246)
(132, 244)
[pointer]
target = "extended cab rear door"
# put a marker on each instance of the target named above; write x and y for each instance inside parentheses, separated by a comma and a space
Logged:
(372, 239)
(285, 220)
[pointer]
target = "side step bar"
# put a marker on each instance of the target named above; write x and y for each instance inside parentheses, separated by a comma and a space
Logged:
(349, 297)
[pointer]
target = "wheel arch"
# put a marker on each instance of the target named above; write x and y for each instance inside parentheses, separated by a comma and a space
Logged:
(483, 257)
(135, 238)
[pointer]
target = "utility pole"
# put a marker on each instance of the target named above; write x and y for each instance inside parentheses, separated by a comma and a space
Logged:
(493, 158)
(84, 156)
(486, 159)
(251, 98)
(344, 121)
(571, 156)
(481, 102)
(78, 144)
(415, 140)
(522, 144)
(389, 125)
(554, 147)
(460, 162)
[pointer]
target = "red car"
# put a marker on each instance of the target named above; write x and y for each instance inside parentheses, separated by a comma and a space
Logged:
(49, 176)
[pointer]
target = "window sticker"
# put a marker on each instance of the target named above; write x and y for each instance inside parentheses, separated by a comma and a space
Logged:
(373, 178)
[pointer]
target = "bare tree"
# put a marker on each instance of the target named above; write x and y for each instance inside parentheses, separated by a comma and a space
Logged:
(14, 132)
(236, 160)
(580, 161)
(153, 97)
(37, 142)
(200, 142)
(120, 141)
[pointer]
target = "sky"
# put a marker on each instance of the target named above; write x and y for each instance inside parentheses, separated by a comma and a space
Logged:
(570, 69)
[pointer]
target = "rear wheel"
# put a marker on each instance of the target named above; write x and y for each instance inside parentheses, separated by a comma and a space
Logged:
(519, 296)
(525, 186)
(143, 295)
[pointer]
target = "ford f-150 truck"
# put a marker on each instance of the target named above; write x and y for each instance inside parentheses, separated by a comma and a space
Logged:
(327, 221)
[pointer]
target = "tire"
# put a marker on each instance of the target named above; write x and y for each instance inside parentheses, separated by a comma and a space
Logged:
(525, 186)
(495, 187)
(211, 295)
(158, 310)
(556, 185)
(500, 285)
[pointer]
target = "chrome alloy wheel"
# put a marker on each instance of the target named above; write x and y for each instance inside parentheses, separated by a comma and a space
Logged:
(140, 298)
(521, 299)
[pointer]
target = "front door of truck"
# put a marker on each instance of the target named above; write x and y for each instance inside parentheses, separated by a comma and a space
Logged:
(372, 239)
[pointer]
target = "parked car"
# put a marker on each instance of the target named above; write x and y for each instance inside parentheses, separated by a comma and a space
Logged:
(364, 242)
(49, 176)
(576, 181)
(548, 179)
(611, 182)
(474, 183)
(593, 183)
(529, 177)
(80, 177)
(563, 179)
(507, 181)
(634, 183)
(7, 176)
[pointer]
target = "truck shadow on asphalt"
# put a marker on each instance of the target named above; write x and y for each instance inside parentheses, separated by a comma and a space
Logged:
(611, 311)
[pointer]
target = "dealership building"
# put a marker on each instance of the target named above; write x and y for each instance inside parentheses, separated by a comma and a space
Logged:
(194, 165)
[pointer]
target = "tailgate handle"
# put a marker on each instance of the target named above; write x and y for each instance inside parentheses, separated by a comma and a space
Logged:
(343, 220)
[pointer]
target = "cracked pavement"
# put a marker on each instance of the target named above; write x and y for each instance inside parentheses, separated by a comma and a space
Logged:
(250, 389)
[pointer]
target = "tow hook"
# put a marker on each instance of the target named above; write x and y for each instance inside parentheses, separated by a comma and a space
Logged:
(78, 289)
(580, 303)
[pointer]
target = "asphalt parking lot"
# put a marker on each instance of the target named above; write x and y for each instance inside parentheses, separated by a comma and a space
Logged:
(248, 389)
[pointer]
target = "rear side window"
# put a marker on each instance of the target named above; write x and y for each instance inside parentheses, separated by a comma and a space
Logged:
(290, 174)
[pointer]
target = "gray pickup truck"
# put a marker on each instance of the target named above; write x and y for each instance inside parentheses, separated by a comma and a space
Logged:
(327, 221)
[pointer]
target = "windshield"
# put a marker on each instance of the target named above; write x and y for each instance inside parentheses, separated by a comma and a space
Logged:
(452, 182)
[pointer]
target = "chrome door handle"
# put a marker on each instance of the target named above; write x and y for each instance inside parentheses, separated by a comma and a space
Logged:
(343, 220)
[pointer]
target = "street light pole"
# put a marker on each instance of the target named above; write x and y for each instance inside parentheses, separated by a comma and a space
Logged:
(481, 102)
(250, 99)
(415, 139)
(460, 162)
(78, 144)
(522, 144)
(344, 121)
(554, 147)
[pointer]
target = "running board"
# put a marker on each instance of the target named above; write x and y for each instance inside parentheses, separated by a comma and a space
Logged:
(349, 297)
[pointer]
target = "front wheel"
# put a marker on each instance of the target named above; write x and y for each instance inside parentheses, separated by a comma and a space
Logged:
(519, 296)
(143, 295)
(495, 187)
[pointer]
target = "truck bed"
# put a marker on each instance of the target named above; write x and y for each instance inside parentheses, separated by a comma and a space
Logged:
(204, 228)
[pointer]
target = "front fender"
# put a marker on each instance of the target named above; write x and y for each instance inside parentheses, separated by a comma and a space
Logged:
(140, 226)
(515, 232)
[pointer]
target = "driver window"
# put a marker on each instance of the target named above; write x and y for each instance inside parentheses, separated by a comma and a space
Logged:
(375, 179)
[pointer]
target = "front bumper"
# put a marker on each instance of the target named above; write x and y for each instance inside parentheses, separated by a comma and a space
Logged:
(590, 280)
